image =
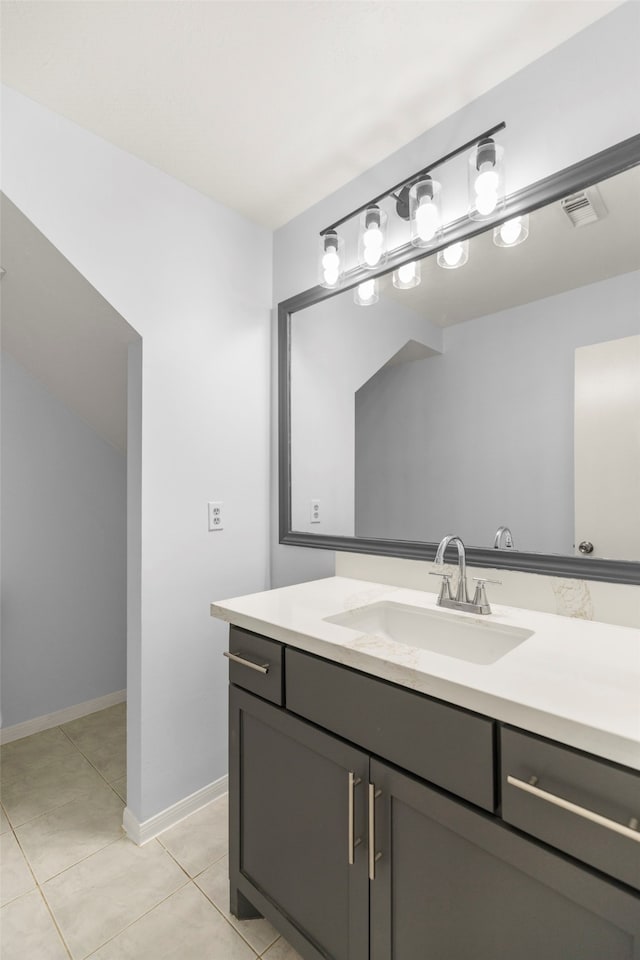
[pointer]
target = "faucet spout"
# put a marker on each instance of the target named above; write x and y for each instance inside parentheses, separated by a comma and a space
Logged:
(462, 595)
(504, 539)
(479, 603)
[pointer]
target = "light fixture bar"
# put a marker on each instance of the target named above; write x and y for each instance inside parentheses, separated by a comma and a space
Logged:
(414, 176)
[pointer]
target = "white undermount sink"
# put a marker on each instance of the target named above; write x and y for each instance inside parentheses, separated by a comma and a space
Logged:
(475, 639)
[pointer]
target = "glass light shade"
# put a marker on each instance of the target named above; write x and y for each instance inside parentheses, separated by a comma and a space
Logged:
(425, 212)
(407, 276)
(453, 256)
(366, 293)
(486, 180)
(330, 259)
(512, 232)
(372, 238)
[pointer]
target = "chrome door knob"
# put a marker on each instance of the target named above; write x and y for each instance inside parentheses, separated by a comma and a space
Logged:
(585, 546)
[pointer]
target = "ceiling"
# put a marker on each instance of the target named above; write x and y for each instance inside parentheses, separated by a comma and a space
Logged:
(270, 105)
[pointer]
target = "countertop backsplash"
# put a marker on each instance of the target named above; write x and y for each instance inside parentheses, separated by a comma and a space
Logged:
(615, 603)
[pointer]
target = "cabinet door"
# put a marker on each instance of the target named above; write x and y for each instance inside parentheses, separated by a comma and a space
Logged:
(290, 800)
(455, 884)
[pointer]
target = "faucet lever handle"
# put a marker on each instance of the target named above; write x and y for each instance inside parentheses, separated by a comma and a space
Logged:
(445, 586)
(480, 596)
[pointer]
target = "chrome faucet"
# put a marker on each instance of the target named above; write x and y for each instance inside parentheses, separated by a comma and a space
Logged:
(461, 593)
(503, 540)
(461, 601)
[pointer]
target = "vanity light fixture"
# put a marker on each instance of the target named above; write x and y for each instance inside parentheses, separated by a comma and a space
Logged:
(407, 276)
(453, 256)
(372, 237)
(366, 293)
(512, 232)
(331, 259)
(417, 199)
(486, 179)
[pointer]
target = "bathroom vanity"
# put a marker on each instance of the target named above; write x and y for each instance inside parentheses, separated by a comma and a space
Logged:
(391, 801)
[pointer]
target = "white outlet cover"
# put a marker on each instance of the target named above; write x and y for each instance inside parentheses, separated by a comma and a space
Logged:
(215, 515)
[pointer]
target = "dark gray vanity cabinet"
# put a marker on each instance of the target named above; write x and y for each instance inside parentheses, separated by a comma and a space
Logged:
(454, 884)
(362, 836)
(292, 802)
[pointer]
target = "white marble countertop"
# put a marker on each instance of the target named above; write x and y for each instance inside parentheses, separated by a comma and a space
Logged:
(575, 681)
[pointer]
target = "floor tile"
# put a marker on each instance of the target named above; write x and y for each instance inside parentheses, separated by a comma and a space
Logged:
(4, 823)
(184, 927)
(120, 786)
(46, 784)
(259, 934)
(68, 834)
(96, 899)
(27, 931)
(21, 756)
(15, 876)
(201, 839)
(281, 950)
(102, 738)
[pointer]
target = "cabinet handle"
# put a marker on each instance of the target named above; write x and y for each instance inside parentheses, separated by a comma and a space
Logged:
(574, 808)
(353, 842)
(261, 668)
(373, 856)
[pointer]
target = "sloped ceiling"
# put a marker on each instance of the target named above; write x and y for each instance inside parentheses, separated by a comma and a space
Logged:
(61, 330)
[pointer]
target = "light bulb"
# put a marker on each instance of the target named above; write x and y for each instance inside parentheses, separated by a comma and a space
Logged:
(427, 220)
(331, 260)
(487, 181)
(453, 254)
(373, 237)
(331, 277)
(510, 231)
(367, 289)
(406, 272)
(372, 255)
(486, 202)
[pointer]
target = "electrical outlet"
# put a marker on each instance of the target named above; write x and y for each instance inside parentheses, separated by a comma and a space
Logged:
(216, 518)
(315, 511)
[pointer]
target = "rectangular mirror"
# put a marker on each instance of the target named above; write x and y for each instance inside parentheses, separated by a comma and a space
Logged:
(505, 393)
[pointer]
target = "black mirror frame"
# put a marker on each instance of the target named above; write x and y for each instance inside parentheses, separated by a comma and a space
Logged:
(577, 177)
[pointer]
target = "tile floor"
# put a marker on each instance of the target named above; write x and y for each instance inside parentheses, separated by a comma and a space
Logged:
(73, 886)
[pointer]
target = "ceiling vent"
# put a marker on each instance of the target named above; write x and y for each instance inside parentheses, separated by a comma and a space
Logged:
(584, 207)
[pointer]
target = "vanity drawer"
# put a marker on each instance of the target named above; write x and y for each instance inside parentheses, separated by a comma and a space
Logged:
(537, 773)
(253, 651)
(450, 747)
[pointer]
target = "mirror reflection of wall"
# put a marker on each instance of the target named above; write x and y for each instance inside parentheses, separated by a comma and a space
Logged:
(450, 406)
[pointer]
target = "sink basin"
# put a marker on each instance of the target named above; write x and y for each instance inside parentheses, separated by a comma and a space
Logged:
(450, 635)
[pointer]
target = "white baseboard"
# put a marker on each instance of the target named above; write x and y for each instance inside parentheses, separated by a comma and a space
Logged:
(142, 832)
(49, 720)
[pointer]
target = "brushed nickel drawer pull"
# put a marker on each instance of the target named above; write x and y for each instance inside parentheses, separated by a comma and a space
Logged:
(574, 808)
(353, 842)
(373, 856)
(261, 668)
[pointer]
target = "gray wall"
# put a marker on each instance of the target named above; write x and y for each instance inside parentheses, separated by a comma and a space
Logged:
(483, 435)
(63, 554)
(558, 110)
